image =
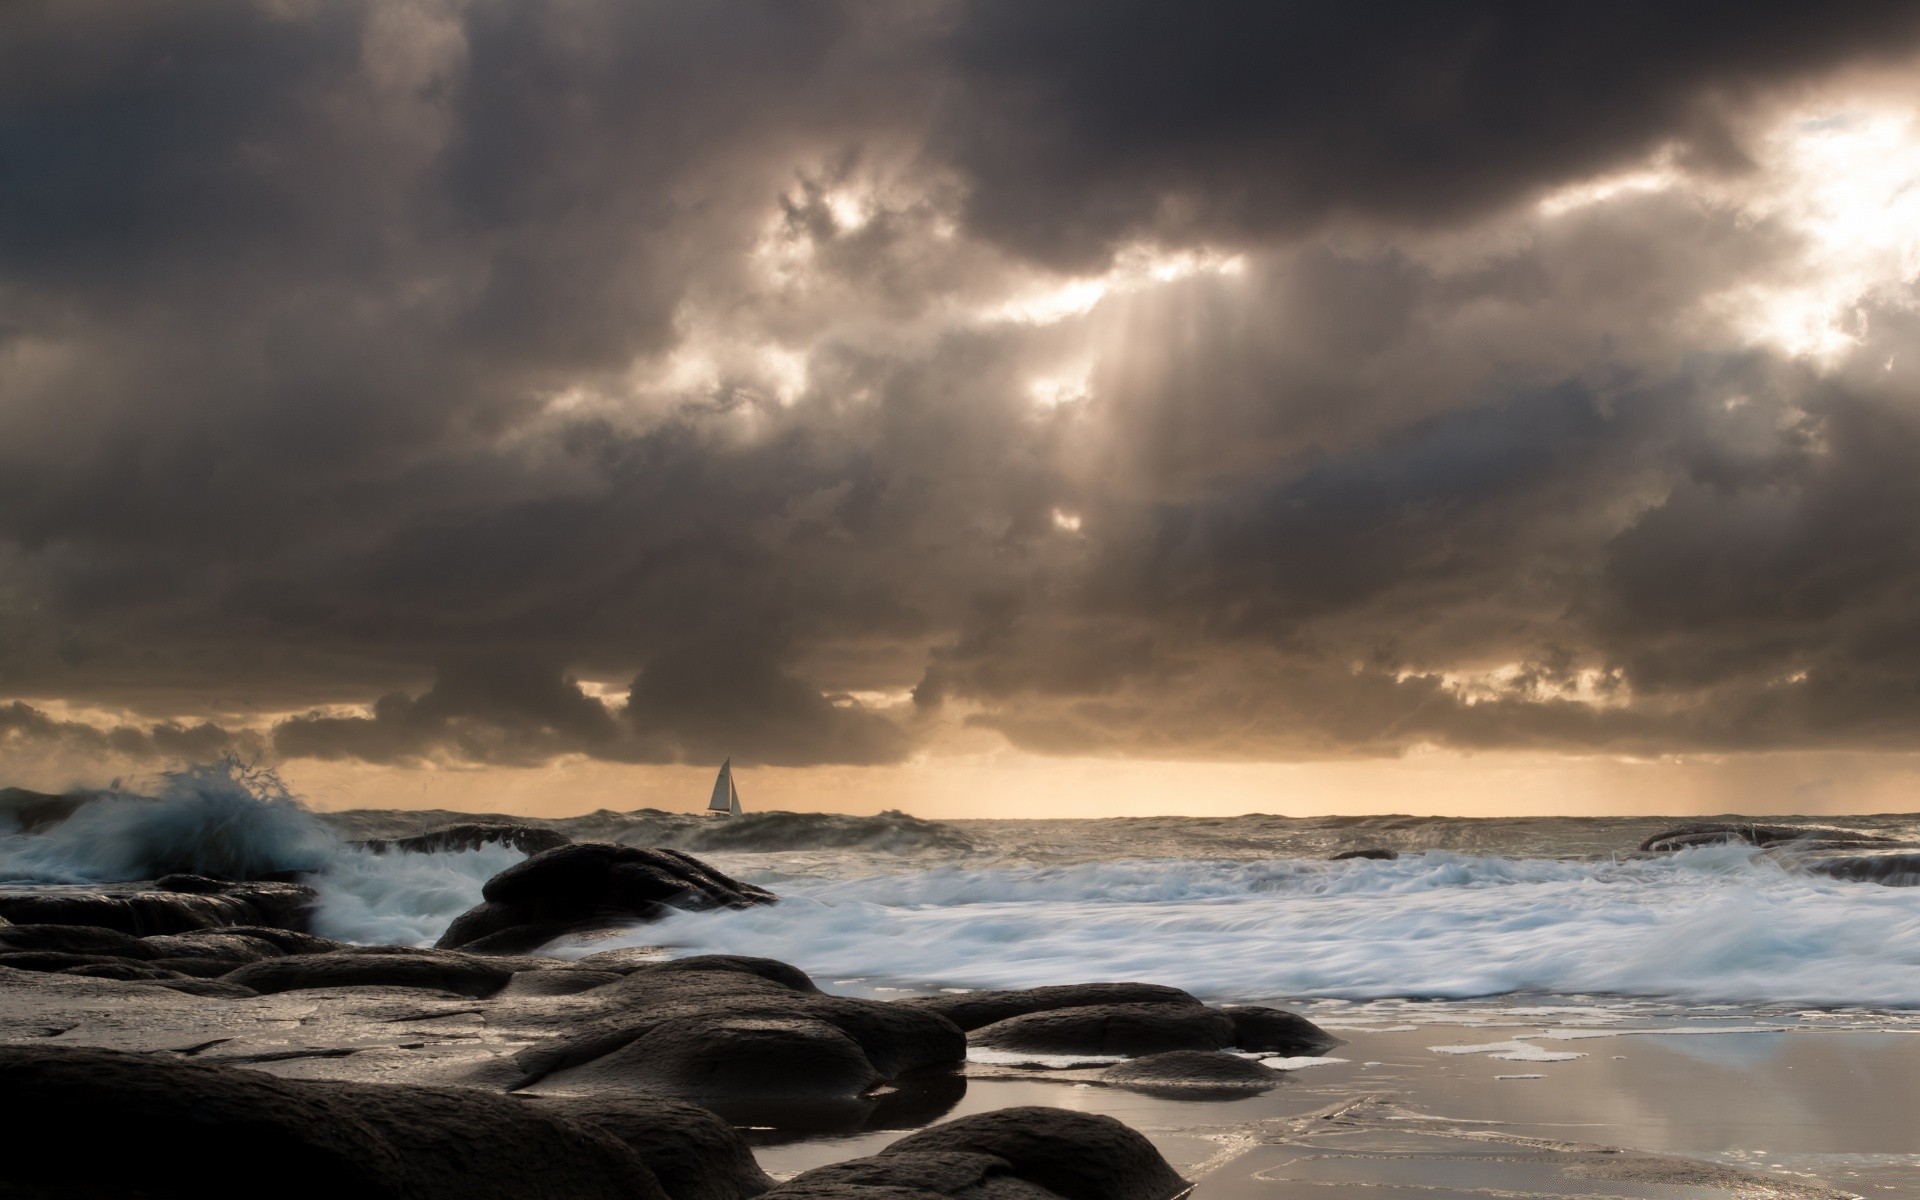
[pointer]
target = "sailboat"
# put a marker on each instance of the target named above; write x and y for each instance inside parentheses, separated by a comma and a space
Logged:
(726, 797)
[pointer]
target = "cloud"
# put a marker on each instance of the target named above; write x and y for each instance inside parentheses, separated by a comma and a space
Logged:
(496, 383)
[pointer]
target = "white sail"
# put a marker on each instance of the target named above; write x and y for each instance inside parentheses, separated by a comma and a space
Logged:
(724, 799)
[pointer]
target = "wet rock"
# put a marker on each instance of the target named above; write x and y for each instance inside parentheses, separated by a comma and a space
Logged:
(1715, 833)
(199, 885)
(471, 835)
(73, 939)
(231, 949)
(461, 974)
(950, 1173)
(557, 982)
(1376, 852)
(973, 1010)
(1077, 1156)
(1130, 1029)
(288, 941)
(735, 1029)
(1196, 1074)
(693, 1153)
(23, 811)
(770, 969)
(120, 968)
(587, 886)
(56, 960)
(217, 988)
(1277, 1031)
(713, 1057)
(317, 1138)
(1888, 870)
(147, 912)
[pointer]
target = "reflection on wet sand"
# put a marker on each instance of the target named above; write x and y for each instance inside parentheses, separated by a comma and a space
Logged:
(1661, 1104)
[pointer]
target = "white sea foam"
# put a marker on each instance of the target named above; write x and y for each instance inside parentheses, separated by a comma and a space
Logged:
(402, 899)
(1514, 1051)
(218, 819)
(1300, 1063)
(1714, 923)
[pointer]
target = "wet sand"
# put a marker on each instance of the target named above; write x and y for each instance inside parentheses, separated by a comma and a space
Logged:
(1747, 1103)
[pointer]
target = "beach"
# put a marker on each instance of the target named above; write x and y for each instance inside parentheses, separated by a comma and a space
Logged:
(1522, 1008)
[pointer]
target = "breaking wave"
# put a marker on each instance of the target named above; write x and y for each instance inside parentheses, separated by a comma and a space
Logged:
(219, 819)
(1719, 923)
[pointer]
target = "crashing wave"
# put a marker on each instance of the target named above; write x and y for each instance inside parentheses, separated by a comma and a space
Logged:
(221, 819)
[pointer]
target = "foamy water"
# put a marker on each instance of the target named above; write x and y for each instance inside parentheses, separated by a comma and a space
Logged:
(1718, 923)
(1242, 909)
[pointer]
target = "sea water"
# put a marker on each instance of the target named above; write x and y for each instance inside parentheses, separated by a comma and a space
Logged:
(1233, 909)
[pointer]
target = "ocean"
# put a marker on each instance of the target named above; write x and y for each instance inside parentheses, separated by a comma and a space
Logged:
(1236, 909)
(1529, 1007)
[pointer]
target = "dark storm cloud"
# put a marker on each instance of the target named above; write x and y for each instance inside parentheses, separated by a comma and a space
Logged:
(1093, 121)
(492, 382)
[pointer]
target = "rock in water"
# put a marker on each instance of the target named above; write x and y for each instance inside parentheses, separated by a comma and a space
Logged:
(972, 1010)
(23, 811)
(1112, 1029)
(1193, 1074)
(1890, 870)
(590, 885)
(471, 835)
(1375, 852)
(1277, 1031)
(1717, 833)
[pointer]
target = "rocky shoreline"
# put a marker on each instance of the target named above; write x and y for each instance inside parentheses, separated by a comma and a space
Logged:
(200, 1007)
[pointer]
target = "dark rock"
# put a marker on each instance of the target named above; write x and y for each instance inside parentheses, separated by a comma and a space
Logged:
(1370, 852)
(716, 1057)
(73, 939)
(770, 969)
(317, 1138)
(199, 968)
(200, 885)
(557, 982)
(1889, 870)
(588, 886)
(288, 941)
(625, 959)
(471, 835)
(1078, 1156)
(1277, 1031)
(741, 1029)
(55, 960)
(462, 974)
(278, 904)
(23, 811)
(120, 968)
(973, 1010)
(1195, 1074)
(217, 988)
(693, 1153)
(1130, 1029)
(949, 1173)
(1716, 833)
(233, 949)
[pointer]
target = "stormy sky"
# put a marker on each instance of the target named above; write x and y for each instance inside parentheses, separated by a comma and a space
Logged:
(488, 386)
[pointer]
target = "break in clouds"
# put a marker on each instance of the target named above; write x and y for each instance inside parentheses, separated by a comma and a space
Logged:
(495, 381)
